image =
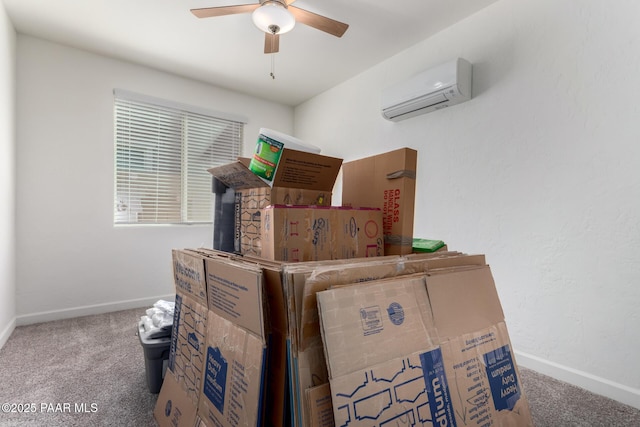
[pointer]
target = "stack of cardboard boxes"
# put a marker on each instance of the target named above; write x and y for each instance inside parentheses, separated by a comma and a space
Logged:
(301, 179)
(324, 317)
(425, 349)
(218, 359)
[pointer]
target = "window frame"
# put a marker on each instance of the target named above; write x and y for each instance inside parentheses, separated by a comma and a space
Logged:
(158, 155)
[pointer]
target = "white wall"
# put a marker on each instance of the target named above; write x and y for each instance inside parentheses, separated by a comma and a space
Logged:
(7, 177)
(539, 171)
(70, 258)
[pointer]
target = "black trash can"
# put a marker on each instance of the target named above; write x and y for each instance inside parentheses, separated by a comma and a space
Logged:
(156, 357)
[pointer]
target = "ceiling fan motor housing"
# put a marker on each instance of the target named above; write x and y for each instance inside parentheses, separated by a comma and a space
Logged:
(272, 17)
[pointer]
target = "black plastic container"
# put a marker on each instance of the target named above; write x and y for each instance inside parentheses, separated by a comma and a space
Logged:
(156, 358)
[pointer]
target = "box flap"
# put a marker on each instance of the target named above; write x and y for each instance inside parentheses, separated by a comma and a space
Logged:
(188, 274)
(296, 169)
(361, 323)
(237, 176)
(400, 163)
(235, 291)
(336, 275)
(320, 409)
(463, 301)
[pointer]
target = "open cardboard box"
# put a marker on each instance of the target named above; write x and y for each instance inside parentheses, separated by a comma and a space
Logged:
(296, 169)
(219, 293)
(301, 179)
(441, 358)
(310, 393)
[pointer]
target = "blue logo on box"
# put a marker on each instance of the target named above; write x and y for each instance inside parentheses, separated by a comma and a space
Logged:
(167, 409)
(215, 378)
(503, 380)
(435, 380)
(192, 339)
(396, 313)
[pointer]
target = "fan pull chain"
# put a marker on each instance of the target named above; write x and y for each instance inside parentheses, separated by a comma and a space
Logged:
(273, 67)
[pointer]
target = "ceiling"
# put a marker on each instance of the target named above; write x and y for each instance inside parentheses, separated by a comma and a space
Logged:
(227, 51)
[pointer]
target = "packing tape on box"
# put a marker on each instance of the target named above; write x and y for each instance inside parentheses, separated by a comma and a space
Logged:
(394, 239)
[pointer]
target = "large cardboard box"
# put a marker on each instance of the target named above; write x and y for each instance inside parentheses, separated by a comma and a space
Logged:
(464, 373)
(180, 393)
(308, 368)
(249, 294)
(303, 233)
(248, 210)
(390, 183)
(301, 179)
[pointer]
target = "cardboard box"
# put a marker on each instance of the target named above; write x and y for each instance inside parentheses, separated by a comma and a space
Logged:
(249, 205)
(179, 396)
(249, 294)
(464, 374)
(237, 284)
(233, 385)
(390, 183)
(301, 179)
(269, 147)
(238, 292)
(302, 233)
(476, 350)
(174, 408)
(296, 169)
(308, 368)
(186, 355)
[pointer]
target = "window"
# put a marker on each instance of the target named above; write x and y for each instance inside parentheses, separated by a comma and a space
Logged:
(162, 153)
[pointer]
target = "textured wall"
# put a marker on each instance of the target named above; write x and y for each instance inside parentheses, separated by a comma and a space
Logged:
(539, 171)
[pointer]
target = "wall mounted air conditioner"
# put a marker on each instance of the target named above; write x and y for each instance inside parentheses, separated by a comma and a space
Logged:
(438, 87)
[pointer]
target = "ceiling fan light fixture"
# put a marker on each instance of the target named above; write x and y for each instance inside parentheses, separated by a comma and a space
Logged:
(273, 18)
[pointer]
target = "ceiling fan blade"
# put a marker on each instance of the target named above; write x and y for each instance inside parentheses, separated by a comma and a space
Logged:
(208, 12)
(319, 22)
(271, 43)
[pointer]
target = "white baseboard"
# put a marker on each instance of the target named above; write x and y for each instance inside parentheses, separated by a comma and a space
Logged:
(87, 310)
(6, 333)
(602, 386)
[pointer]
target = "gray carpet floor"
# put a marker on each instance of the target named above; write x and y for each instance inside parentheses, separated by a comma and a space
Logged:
(90, 371)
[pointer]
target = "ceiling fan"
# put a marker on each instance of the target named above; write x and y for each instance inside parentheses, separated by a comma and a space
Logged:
(276, 17)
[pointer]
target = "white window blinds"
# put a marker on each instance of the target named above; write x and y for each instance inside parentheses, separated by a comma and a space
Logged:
(162, 153)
